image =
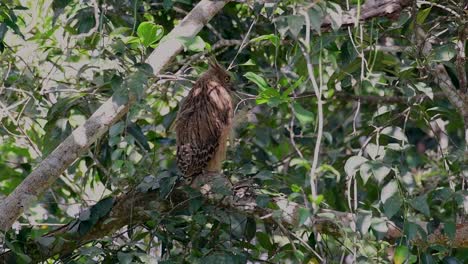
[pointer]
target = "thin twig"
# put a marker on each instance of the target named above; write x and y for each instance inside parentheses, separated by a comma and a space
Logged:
(243, 44)
(310, 69)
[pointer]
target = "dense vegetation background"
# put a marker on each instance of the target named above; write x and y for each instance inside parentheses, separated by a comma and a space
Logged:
(353, 111)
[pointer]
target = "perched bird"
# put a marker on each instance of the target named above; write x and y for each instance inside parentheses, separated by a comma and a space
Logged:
(204, 122)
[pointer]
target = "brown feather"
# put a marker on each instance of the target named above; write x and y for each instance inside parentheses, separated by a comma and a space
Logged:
(203, 123)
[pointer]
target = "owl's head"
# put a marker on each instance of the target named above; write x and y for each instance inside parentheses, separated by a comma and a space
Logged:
(222, 76)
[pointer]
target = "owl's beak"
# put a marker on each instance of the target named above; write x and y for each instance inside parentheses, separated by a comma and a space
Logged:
(231, 87)
(234, 82)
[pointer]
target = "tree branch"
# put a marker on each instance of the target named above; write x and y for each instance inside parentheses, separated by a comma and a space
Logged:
(371, 9)
(460, 101)
(64, 240)
(112, 110)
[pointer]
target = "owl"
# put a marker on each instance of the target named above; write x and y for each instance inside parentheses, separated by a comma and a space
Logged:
(204, 122)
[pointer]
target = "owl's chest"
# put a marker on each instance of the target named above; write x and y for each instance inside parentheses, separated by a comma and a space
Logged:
(220, 103)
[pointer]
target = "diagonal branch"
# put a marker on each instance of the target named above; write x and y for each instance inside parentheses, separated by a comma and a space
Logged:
(112, 110)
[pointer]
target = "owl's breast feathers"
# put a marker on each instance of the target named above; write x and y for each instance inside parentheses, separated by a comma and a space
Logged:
(202, 128)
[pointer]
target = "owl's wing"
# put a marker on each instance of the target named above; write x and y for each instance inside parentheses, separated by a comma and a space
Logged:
(198, 131)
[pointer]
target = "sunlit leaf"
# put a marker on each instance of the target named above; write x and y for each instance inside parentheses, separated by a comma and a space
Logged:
(395, 132)
(402, 253)
(149, 33)
(427, 90)
(443, 53)
(270, 37)
(353, 164)
(304, 116)
(336, 14)
(257, 79)
(390, 189)
(364, 221)
(196, 44)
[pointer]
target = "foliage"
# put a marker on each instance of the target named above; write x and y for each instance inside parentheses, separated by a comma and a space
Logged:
(398, 161)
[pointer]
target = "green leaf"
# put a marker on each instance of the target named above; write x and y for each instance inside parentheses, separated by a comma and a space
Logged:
(291, 88)
(225, 258)
(422, 87)
(264, 241)
(365, 171)
(250, 228)
(299, 255)
(422, 15)
(353, 164)
(271, 37)
(376, 168)
(136, 83)
(316, 16)
(304, 214)
(116, 129)
(237, 225)
(443, 53)
(299, 162)
(412, 230)
(124, 258)
(196, 44)
(56, 4)
(258, 80)
(304, 116)
(249, 62)
(101, 208)
(336, 15)
(450, 229)
(395, 132)
(379, 225)
(420, 203)
(390, 189)
(262, 200)
(364, 221)
(149, 33)
(195, 204)
(427, 259)
(269, 96)
(402, 253)
(392, 205)
(374, 151)
(329, 168)
(295, 24)
(45, 241)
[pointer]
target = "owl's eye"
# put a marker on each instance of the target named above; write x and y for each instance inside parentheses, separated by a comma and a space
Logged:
(227, 78)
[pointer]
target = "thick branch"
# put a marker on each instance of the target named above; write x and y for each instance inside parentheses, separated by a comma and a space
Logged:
(132, 209)
(458, 99)
(371, 9)
(111, 111)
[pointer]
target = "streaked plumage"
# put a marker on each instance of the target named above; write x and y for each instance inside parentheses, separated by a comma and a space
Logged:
(204, 122)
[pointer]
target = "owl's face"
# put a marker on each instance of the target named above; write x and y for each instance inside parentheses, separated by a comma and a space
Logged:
(222, 75)
(224, 79)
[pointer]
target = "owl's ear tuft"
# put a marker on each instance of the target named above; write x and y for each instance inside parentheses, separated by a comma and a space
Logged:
(212, 62)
